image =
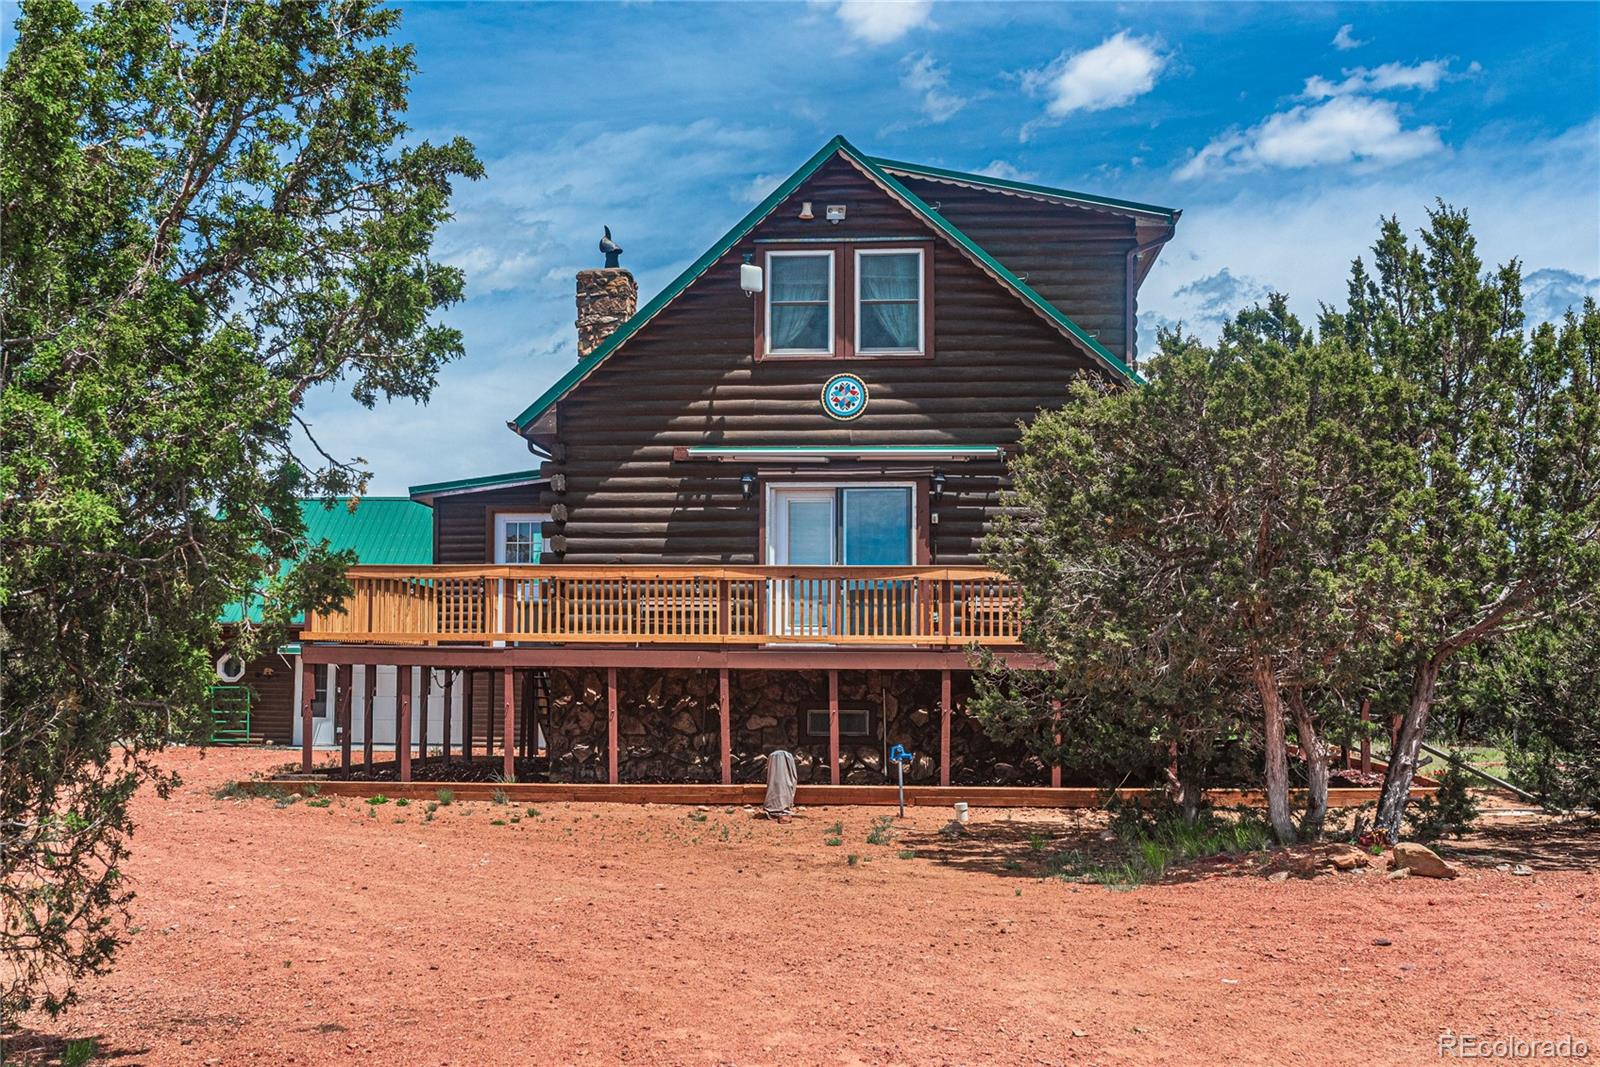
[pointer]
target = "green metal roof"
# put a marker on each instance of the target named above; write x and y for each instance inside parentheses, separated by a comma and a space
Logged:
(425, 493)
(837, 146)
(380, 530)
(1132, 207)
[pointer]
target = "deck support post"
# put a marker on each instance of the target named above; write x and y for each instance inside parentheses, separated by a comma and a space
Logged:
(422, 718)
(488, 720)
(402, 714)
(466, 715)
(724, 719)
(345, 674)
(369, 680)
(944, 727)
(833, 726)
(509, 709)
(308, 694)
(611, 725)
(449, 697)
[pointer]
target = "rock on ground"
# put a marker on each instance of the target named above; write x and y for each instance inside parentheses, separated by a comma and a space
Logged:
(1421, 860)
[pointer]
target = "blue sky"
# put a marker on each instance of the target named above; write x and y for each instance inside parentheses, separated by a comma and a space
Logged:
(1283, 131)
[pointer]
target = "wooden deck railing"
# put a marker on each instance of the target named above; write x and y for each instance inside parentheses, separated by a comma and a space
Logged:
(919, 606)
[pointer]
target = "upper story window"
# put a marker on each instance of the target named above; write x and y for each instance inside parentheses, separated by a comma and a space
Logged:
(889, 301)
(845, 301)
(800, 304)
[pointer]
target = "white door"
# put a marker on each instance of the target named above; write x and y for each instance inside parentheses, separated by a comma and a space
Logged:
(324, 732)
(803, 534)
(518, 538)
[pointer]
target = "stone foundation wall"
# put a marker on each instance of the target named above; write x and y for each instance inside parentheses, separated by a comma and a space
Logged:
(668, 727)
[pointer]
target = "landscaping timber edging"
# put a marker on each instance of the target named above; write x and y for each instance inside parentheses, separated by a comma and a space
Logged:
(812, 795)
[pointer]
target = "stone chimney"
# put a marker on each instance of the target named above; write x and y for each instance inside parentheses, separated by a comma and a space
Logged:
(607, 298)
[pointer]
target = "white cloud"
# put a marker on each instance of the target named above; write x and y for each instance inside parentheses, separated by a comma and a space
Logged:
(925, 77)
(1423, 77)
(1299, 237)
(667, 191)
(1345, 39)
(1113, 73)
(999, 168)
(1343, 131)
(1549, 292)
(756, 189)
(883, 21)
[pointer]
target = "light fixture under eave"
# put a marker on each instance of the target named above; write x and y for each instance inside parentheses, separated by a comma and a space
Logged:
(937, 483)
(747, 485)
(806, 212)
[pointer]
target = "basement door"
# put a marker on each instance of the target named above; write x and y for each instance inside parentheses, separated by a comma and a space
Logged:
(324, 733)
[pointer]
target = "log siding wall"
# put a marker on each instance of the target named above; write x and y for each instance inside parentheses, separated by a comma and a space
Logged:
(462, 524)
(690, 377)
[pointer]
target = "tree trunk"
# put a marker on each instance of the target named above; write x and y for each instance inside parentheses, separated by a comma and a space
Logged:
(1316, 755)
(1404, 753)
(1277, 775)
(1183, 787)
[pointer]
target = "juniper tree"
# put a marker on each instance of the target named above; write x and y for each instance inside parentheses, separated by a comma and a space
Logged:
(1208, 539)
(208, 210)
(1502, 528)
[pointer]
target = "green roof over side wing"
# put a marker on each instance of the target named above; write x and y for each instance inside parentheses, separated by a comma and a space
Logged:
(380, 530)
(426, 493)
(1130, 207)
(837, 145)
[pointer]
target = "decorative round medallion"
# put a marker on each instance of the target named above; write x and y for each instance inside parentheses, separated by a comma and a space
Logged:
(844, 396)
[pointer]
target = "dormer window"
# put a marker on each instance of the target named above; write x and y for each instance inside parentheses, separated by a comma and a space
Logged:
(850, 300)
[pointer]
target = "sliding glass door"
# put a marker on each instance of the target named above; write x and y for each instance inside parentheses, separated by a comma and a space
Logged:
(850, 525)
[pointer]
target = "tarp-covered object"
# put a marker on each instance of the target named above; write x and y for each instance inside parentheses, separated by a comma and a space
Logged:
(781, 779)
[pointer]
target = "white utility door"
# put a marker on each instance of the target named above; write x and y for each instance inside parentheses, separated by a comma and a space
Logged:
(324, 733)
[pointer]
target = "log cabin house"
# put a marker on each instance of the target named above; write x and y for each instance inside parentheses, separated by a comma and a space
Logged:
(762, 498)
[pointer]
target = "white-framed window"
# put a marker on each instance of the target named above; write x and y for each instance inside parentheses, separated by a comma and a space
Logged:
(800, 308)
(518, 537)
(889, 301)
(853, 722)
(320, 695)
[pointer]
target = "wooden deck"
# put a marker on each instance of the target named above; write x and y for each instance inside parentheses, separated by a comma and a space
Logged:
(745, 607)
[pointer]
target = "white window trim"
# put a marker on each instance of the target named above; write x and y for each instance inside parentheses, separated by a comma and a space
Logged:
(833, 309)
(922, 302)
(504, 518)
(865, 713)
(774, 488)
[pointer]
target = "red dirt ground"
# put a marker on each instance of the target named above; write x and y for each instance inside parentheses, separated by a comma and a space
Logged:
(606, 933)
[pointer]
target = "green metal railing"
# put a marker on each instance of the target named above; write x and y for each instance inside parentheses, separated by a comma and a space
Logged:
(230, 714)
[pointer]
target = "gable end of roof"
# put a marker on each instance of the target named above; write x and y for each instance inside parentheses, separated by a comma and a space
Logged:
(877, 173)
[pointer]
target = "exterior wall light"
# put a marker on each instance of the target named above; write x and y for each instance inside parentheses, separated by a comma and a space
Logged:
(750, 279)
(938, 484)
(806, 212)
(747, 485)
